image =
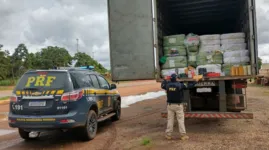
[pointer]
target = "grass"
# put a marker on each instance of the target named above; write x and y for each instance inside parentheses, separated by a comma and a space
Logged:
(8, 82)
(6, 88)
(4, 98)
(146, 141)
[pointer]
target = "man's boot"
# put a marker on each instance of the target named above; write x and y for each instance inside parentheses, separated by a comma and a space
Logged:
(184, 137)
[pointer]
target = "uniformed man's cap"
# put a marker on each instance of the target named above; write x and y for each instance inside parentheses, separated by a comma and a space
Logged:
(173, 76)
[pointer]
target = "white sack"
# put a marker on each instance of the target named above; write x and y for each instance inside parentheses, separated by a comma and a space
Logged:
(236, 60)
(233, 41)
(210, 42)
(210, 37)
(238, 53)
(209, 48)
(233, 46)
(238, 35)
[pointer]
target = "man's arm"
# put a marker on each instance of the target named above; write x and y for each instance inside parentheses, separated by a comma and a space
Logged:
(188, 85)
(163, 85)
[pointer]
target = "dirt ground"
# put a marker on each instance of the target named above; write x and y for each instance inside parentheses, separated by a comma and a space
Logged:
(141, 127)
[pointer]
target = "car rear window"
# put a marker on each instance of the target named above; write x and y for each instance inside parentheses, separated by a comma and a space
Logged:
(45, 80)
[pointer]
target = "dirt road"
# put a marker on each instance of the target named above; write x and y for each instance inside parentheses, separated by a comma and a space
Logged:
(141, 123)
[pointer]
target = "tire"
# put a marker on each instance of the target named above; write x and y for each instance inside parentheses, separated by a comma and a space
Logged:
(88, 132)
(25, 135)
(116, 117)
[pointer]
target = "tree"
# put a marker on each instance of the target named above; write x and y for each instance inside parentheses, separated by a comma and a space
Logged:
(83, 60)
(259, 63)
(19, 60)
(4, 63)
(54, 56)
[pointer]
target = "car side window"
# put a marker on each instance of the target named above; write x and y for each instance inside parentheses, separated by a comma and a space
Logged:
(81, 80)
(103, 83)
(95, 81)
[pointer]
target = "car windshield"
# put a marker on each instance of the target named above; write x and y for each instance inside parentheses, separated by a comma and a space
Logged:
(44, 80)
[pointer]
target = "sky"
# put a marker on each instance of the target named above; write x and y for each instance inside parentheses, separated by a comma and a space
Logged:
(40, 23)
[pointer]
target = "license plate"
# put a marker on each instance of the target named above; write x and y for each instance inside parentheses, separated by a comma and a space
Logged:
(206, 83)
(37, 103)
(204, 90)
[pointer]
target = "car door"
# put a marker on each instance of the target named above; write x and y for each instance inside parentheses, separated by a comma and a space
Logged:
(106, 87)
(101, 98)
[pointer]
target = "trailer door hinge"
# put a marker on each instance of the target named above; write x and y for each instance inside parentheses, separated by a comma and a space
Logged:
(253, 36)
(154, 19)
(251, 8)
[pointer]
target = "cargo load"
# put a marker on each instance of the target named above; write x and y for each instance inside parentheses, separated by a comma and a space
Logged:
(167, 72)
(239, 35)
(214, 57)
(175, 62)
(209, 48)
(192, 59)
(174, 40)
(216, 68)
(210, 37)
(232, 47)
(175, 51)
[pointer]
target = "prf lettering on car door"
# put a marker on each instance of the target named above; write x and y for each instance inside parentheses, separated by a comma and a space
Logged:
(40, 80)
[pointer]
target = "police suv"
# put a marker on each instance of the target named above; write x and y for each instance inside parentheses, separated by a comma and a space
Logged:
(62, 99)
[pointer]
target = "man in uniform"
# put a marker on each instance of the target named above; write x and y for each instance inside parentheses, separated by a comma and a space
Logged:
(175, 96)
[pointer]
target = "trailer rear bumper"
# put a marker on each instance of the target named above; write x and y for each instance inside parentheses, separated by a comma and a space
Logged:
(214, 115)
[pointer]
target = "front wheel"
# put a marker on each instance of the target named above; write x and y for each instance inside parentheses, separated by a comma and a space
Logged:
(90, 129)
(117, 111)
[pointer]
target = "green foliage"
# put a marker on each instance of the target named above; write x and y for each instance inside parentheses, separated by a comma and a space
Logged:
(8, 82)
(259, 63)
(146, 141)
(14, 65)
(83, 60)
(4, 98)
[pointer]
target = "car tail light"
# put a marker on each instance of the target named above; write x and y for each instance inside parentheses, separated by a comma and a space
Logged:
(67, 121)
(72, 96)
(13, 98)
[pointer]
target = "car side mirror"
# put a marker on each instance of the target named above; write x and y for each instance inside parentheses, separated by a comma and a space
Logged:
(113, 86)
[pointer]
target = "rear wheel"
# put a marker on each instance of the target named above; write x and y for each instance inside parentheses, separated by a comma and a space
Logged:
(25, 135)
(88, 132)
(117, 111)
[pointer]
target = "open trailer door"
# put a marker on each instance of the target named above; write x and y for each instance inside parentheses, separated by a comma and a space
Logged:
(131, 39)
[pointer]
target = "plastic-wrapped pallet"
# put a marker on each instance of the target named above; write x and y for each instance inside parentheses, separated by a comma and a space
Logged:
(216, 68)
(174, 40)
(175, 62)
(210, 42)
(239, 35)
(233, 41)
(238, 53)
(192, 59)
(181, 70)
(192, 40)
(210, 37)
(175, 51)
(167, 72)
(236, 60)
(209, 48)
(215, 57)
(232, 47)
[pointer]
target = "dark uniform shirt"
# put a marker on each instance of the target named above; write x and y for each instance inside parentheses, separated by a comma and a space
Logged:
(175, 90)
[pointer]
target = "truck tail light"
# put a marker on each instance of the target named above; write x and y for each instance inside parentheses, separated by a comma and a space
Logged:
(72, 96)
(13, 98)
